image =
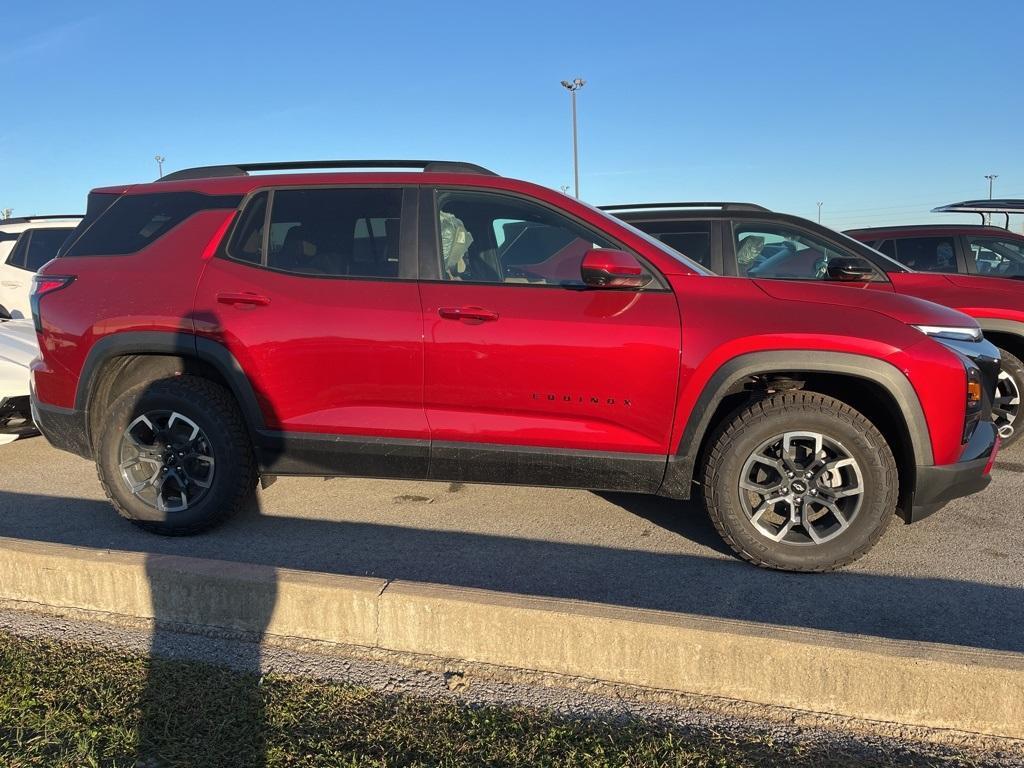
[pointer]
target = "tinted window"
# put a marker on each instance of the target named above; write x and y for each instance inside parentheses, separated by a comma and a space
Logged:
(768, 251)
(335, 232)
(691, 239)
(17, 256)
(493, 238)
(927, 254)
(134, 221)
(888, 247)
(247, 241)
(997, 257)
(44, 245)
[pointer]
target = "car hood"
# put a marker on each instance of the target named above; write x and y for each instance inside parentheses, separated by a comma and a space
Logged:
(906, 309)
(18, 344)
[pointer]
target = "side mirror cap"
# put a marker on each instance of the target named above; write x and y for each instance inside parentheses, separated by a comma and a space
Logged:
(849, 271)
(609, 268)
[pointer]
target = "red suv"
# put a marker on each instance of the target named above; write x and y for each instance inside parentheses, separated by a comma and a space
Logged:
(451, 324)
(749, 240)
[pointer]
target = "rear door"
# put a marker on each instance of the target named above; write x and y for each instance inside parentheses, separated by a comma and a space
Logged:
(314, 295)
(530, 376)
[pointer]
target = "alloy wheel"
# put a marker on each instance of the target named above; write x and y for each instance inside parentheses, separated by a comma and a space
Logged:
(1006, 405)
(801, 488)
(166, 461)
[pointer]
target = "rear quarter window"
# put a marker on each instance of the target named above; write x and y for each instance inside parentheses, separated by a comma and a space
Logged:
(133, 222)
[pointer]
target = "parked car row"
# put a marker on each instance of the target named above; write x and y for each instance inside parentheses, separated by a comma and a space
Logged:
(438, 321)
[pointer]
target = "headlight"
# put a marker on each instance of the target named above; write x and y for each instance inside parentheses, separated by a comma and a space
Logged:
(951, 332)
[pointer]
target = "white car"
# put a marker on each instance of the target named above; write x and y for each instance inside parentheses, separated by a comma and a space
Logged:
(25, 245)
(18, 347)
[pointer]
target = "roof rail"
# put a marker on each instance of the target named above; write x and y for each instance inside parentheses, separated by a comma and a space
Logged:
(1005, 206)
(30, 219)
(242, 169)
(654, 206)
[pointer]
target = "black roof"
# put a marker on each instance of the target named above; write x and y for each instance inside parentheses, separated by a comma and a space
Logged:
(242, 169)
(42, 217)
(678, 206)
(1003, 205)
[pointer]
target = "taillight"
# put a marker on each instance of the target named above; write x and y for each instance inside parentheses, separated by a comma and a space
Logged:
(41, 286)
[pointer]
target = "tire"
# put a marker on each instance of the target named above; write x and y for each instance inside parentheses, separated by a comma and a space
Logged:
(4, 314)
(1010, 388)
(216, 477)
(747, 448)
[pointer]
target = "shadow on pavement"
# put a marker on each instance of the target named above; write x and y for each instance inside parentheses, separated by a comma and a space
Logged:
(900, 607)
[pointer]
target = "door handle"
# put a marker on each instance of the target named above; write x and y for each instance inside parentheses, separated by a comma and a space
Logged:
(467, 313)
(243, 299)
(10, 284)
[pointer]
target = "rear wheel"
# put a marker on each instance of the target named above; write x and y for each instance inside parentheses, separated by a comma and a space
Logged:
(1006, 407)
(174, 456)
(800, 482)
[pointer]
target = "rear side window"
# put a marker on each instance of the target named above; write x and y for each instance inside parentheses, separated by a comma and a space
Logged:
(690, 238)
(326, 232)
(17, 255)
(43, 246)
(927, 254)
(133, 222)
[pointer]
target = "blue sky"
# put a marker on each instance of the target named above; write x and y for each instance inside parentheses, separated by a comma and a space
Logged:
(880, 109)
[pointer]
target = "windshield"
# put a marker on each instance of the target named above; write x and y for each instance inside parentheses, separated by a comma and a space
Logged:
(996, 257)
(668, 251)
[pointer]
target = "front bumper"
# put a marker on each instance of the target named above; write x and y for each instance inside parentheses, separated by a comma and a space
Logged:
(936, 486)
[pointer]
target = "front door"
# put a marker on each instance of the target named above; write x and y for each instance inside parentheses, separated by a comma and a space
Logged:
(313, 297)
(530, 376)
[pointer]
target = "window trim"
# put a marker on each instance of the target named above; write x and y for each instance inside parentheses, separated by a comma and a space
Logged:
(430, 242)
(407, 255)
(881, 276)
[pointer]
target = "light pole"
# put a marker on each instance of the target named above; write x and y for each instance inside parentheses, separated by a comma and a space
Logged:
(572, 87)
(819, 211)
(160, 164)
(991, 178)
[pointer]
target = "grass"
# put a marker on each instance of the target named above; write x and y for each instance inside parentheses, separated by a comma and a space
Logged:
(71, 705)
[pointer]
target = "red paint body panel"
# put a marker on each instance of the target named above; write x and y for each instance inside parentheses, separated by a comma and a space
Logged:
(563, 368)
(324, 355)
(375, 357)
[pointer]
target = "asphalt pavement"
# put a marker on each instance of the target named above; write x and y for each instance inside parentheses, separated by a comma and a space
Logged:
(956, 577)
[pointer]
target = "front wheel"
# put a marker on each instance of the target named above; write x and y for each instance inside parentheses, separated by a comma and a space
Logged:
(1006, 406)
(800, 482)
(174, 456)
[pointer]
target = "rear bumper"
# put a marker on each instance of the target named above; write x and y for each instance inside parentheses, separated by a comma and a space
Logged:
(64, 428)
(939, 485)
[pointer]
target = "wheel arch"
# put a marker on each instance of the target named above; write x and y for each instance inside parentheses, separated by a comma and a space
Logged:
(1006, 334)
(876, 388)
(123, 360)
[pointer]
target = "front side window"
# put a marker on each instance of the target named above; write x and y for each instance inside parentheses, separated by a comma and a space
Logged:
(996, 257)
(327, 232)
(768, 251)
(927, 254)
(44, 246)
(493, 238)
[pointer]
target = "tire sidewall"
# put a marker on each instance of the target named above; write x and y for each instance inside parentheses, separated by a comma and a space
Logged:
(877, 507)
(1013, 365)
(149, 398)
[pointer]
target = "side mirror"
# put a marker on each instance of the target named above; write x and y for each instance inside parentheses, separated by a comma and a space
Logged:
(608, 268)
(849, 271)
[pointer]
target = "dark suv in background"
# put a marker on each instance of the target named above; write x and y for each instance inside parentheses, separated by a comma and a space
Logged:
(456, 325)
(747, 240)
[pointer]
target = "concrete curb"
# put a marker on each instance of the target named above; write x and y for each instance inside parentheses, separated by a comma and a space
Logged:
(920, 684)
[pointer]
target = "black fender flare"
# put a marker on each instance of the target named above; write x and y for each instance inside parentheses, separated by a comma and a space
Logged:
(170, 343)
(681, 466)
(997, 325)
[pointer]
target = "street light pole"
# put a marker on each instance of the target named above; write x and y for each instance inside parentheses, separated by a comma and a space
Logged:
(991, 177)
(160, 164)
(572, 87)
(819, 211)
